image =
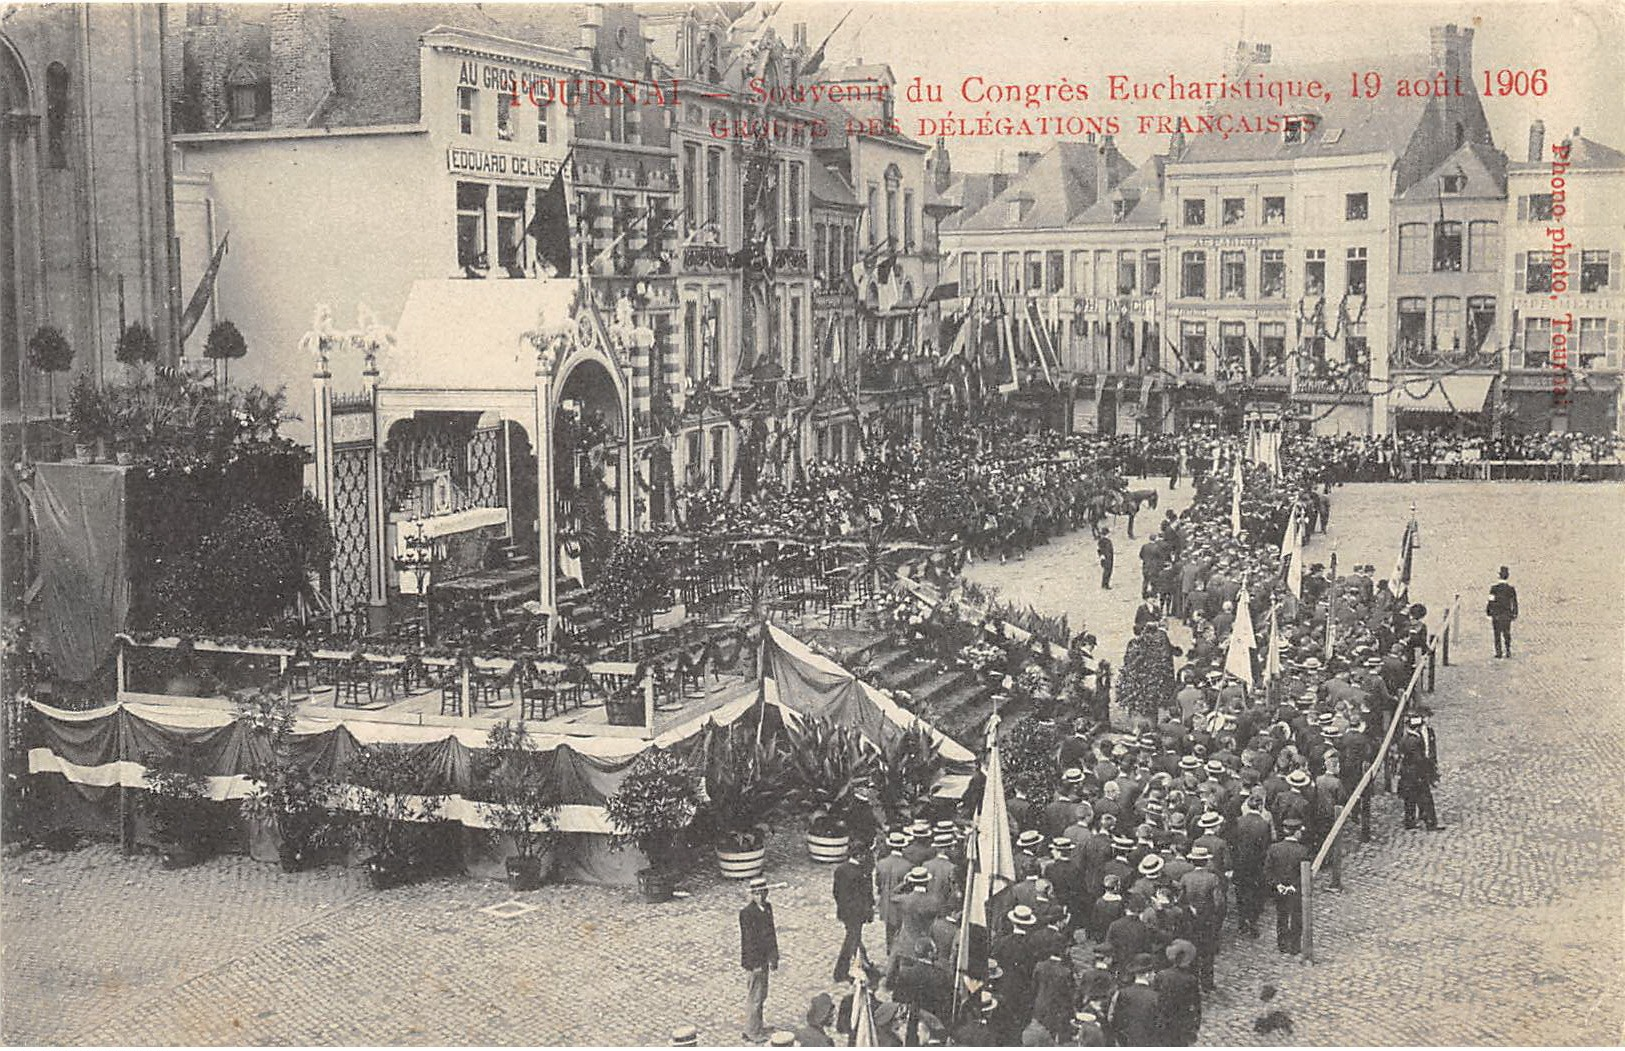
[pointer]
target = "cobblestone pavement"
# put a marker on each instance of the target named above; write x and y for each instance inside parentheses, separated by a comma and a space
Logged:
(1506, 928)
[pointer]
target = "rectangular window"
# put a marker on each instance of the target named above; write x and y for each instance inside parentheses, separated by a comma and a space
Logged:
(1537, 342)
(1233, 349)
(511, 229)
(1447, 325)
(1413, 248)
(466, 102)
(1446, 246)
(506, 103)
(544, 113)
(1012, 272)
(713, 193)
(1538, 272)
(1272, 274)
(797, 355)
(1125, 273)
(1593, 270)
(908, 221)
(691, 340)
(1480, 321)
(1105, 280)
(1413, 325)
(1539, 208)
(891, 213)
(712, 334)
(694, 461)
(820, 253)
(1593, 350)
(471, 247)
(1356, 351)
(1272, 348)
(692, 217)
(1080, 273)
(967, 277)
(1296, 131)
(719, 437)
(1055, 270)
(1233, 211)
(1232, 275)
(792, 206)
(1314, 272)
(1151, 270)
(873, 215)
(1483, 245)
(1035, 272)
(1193, 275)
(990, 270)
(243, 103)
(1193, 345)
(1356, 206)
(1275, 211)
(1354, 271)
(1196, 213)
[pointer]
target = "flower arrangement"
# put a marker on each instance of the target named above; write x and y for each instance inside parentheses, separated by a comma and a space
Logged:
(982, 656)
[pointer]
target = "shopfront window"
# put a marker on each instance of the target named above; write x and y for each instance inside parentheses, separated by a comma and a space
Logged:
(511, 229)
(472, 252)
(1151, 269)
(1193, 345)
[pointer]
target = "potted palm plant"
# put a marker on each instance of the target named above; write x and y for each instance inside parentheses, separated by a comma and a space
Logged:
(87, 418)
(656, 800)
(828, 765)
(394, 815)
(907, 772)
(520, 803)
(745, 790)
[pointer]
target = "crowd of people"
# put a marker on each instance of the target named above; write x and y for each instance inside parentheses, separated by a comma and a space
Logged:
(1415, 455)
(1169, 835)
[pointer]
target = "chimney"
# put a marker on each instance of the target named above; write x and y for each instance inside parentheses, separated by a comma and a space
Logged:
(1450, 50)
(798, 35)
(998, 182)
(301, 62)
(1176, 146)
(1537, 141)
(942, 170)
(1105, 175)
(1025, 161)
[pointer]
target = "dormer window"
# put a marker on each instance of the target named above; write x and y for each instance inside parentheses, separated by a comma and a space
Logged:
(1120, 210)
(248, 94)
(1297, 129)
(1455, 182)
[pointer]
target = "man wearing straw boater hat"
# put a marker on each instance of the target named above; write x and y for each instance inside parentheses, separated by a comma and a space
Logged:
(758, 954)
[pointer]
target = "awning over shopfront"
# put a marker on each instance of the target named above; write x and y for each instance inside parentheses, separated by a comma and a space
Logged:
(458, 334)
(1459, 393)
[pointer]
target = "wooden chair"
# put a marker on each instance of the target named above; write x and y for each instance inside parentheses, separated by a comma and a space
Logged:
(488, 686)
(451, 693)
(353, 683)
(541, 696)
(302, 670)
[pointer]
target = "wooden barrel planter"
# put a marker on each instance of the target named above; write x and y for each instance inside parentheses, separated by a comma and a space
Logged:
(742, 864)
(828, 850)
(656, 885)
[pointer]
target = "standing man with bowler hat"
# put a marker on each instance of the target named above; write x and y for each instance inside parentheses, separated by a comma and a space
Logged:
(1502, 610)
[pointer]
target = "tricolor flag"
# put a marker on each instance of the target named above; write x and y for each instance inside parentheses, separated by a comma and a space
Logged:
(1235, 499)
(204, 291)
(992, 868)
(1272, 656)
(1331, 609)
(1292, 555)
(864, 1033)
(1399, 582)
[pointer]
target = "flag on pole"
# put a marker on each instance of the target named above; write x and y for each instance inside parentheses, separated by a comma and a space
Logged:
(1235, 499)
(1292, 555)
(1238, 658)
(550, 226)
(864, 1033)
(1331, 615)
(992, 865)
(1272, 656)
(1399, 582)
(204, 291)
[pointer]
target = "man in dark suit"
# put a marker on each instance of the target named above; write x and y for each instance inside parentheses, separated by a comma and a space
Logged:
(1282, 863)
(1135, 1017)
(854, 906)
(1419, 772)
(1502, 610)
(1107, 555)
(758, 954)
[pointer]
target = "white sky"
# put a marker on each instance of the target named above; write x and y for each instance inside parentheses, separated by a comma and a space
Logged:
(1578, 42)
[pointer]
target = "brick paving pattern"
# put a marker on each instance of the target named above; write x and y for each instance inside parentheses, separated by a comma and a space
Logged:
(1505, 928)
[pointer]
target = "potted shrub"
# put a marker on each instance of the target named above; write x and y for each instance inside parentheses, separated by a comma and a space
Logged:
(290, 797)
(87, 418)
(828, 767)
(185, 820)
(520, 803)
(745, 789)
(656, 800)
(394, 815)
(51, 353)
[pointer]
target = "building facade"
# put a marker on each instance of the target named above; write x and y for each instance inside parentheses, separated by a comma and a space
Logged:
(86, 215)
(1563, 282)
(836, 218)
